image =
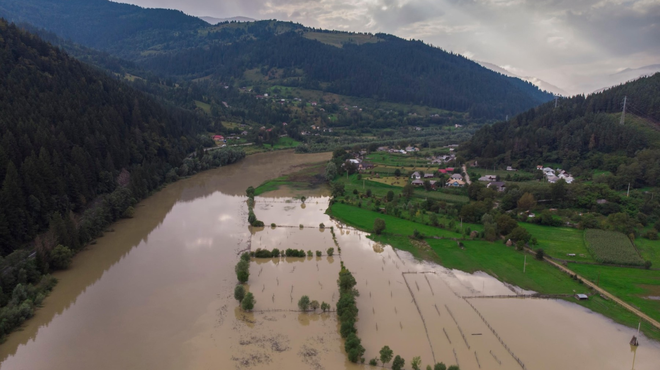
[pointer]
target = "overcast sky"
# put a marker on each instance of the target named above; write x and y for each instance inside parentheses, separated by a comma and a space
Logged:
(570, 43)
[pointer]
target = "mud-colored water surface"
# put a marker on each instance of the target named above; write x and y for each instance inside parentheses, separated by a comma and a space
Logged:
(157, 293)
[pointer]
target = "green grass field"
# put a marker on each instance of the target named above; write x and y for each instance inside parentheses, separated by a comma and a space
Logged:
(284, 143)
(650, 250)
(611, 247)
(558, 242)
(205, 107)
(364, 219)
(630, 284)
(506, 264)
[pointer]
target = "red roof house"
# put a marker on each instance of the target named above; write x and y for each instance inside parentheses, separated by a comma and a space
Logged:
(218, 137)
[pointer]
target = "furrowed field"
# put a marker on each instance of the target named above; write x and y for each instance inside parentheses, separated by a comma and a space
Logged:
(612, 247)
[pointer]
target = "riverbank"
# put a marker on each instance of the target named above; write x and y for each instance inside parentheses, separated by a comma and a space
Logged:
(496, 259)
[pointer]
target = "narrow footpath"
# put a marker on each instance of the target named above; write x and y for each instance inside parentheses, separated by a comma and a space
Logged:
(467, 177)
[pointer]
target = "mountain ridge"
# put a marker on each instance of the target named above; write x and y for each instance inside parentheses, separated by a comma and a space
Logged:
(376, 66)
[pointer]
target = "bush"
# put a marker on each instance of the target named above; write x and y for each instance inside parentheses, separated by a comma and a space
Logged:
(248, 302)
(379, 226)
(540, 253)
(314, 305)
(398, 363)
(239, 293)
(60, 257)
(648, 264)
(321, 225)
(347, 328)
(263, 253)
(373, 362)
(386, 354)
(318, 254)
(303, 303)
(273, 225)
(331, 251)
(310, 254)
(275, 252)
(242, 271)
(325, 306)
(245, 257)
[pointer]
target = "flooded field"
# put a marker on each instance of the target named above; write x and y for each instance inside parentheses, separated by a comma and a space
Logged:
(157, 293)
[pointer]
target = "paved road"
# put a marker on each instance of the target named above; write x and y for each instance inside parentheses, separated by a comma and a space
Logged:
(605, 293)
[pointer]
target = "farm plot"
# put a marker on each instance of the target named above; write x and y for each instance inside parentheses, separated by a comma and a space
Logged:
(611, 247)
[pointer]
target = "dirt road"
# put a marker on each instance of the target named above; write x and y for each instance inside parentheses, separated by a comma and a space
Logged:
(605, 293)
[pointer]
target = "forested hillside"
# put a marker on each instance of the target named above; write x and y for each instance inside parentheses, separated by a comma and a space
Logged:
(77, 150)
(379, 66)
(583, 134)
(69, 131)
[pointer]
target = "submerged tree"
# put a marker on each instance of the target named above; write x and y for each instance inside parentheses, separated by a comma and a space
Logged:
(303, 303)
(386, 354)
(239, 293)
(248, 302)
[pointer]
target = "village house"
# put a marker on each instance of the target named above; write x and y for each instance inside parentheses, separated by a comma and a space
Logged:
(497, 185)
(416, 175)
(411, 149)
(455, 183)
(446, 170)
(488, 178)
(428, 175)
(417, 183)
(218, 138)
(509, 168)
(244, 133)
(457, 176)
(365, 166)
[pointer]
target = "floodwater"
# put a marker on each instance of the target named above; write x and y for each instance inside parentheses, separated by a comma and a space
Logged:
(157, 293)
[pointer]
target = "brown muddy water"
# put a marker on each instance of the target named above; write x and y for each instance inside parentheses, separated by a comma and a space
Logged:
(157, 293)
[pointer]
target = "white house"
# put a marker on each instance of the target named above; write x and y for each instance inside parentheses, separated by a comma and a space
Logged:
(416, 175)
(457, 176)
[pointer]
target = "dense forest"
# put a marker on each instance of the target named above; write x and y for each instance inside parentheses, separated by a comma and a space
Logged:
(77, 150)
(583, 134)
(385, 68)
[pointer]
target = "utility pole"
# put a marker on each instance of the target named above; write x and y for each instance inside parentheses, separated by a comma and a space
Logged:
(556, 98)
(623, 113)
(628, 193)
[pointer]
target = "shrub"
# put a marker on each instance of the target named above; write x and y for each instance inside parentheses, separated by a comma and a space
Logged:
(242, 271)
(440, 366)
(373, 362)
(245, 257)
(275, 252)
(379, 226)
(310, 254)
(648, 264)
(347, 328)
(540, 253)
(398, 363)
(321, 225)
(60, 257)
(273, 225)
(239, 293)
(263, 253)
(330, 251)
(325, 306)
(318, 254)
(386, 354)
(303, 303)
(248, 302)
(314, 305)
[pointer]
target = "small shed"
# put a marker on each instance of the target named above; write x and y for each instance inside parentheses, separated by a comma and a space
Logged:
(581, 297)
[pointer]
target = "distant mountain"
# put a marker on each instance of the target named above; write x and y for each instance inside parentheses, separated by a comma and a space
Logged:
(381, 66)
(543, 85)
(626, 75)
(214, 21)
